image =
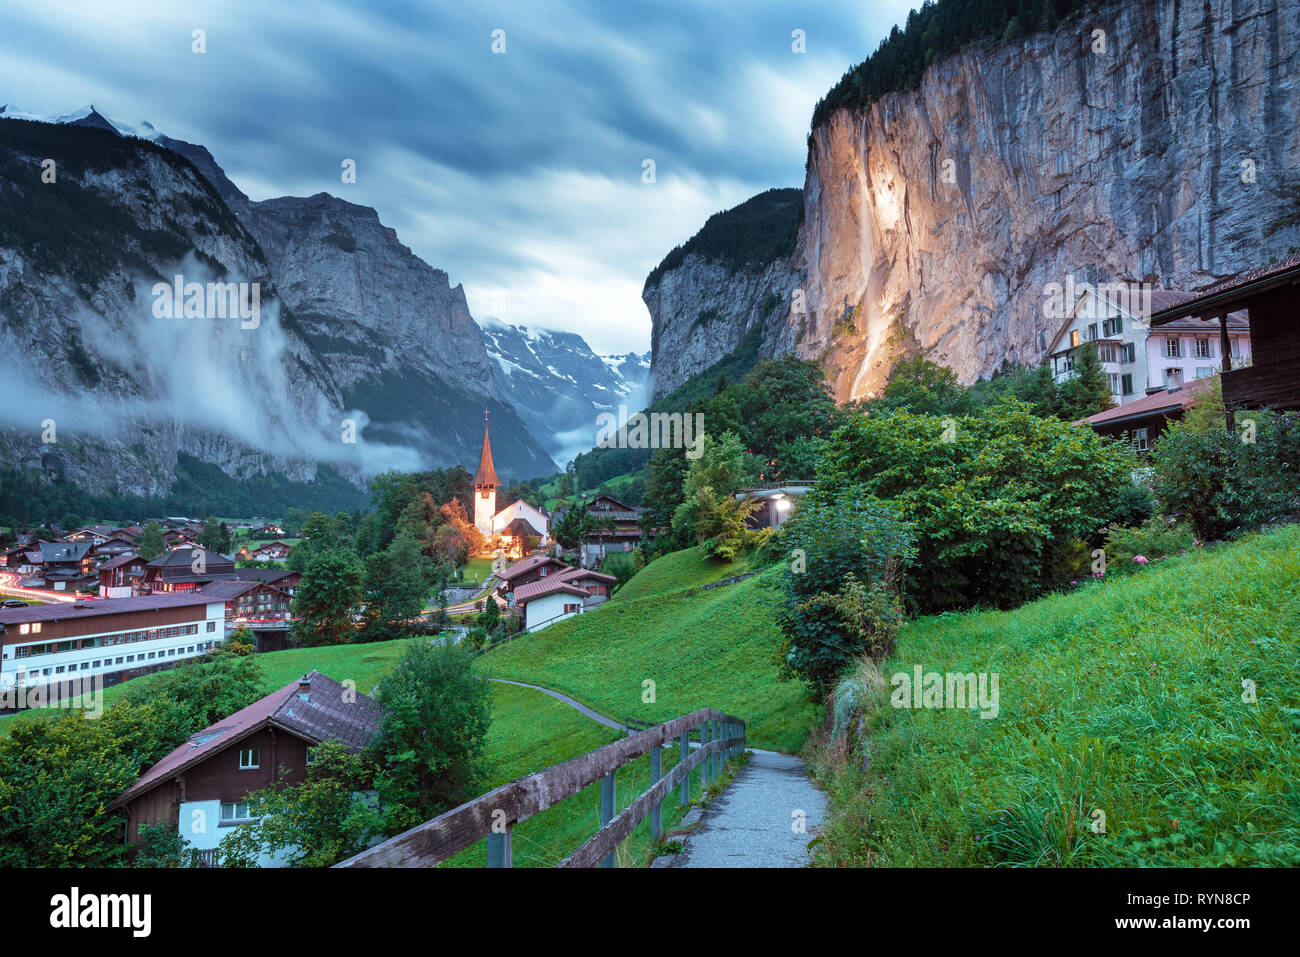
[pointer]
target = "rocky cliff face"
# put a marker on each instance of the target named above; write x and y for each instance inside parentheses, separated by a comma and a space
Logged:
(353, 327)
(935, 220)
(702, 310)
(396, 336)
(99, 389)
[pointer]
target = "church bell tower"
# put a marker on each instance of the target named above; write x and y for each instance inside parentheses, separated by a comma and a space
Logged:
(485, 486)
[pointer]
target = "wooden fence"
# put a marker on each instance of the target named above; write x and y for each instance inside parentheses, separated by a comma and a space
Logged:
(494, 815)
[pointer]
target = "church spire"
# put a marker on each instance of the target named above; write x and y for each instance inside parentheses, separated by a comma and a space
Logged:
(486, 476)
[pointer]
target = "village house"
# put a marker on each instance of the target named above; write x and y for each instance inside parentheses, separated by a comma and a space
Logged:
(1135, 360)
(184, 568)
(530, 569)
(1270, 297)
(1142, 422)
(114, 638)
(561, 595)
(276, 551)
(266, 531)
(59, 566)
(202, 787)
(120, 577)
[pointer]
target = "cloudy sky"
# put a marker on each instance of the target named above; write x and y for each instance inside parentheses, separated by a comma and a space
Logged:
(519, 172)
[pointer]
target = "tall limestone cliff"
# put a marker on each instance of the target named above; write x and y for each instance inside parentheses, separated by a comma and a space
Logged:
(935, 219)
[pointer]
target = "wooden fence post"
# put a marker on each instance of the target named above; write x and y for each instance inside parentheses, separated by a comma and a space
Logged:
(716, 759)
(684, 742)
(501, 847)
(607, 810)
(657, 814)
(704, 765)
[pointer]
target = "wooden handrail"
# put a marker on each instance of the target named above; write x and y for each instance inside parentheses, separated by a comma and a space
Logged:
(496, 813)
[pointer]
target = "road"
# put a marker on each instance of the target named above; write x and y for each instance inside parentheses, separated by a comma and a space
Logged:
(9, 586)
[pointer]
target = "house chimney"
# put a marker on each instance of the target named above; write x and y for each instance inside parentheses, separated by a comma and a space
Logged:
(304, 688)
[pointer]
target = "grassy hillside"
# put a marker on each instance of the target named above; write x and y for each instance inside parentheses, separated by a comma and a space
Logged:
(700, 648)
(1123, 697)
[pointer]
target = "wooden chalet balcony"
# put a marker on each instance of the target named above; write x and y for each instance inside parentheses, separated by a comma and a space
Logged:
(1262, 384)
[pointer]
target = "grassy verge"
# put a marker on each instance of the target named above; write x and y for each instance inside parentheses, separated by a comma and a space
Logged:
(701, 649)
(1120, 705)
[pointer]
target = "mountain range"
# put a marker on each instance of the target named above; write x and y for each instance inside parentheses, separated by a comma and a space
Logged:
(364, 357)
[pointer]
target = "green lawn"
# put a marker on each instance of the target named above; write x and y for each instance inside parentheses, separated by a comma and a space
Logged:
(701, 649)
(477, 570)
(1123, 697)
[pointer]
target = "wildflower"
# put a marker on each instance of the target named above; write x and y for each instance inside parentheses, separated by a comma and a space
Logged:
(1140, 559)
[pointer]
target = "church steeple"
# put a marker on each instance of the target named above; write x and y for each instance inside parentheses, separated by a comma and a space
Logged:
(486, 476)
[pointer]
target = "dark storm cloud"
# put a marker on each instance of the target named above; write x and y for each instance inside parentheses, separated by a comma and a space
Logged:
(518, 173)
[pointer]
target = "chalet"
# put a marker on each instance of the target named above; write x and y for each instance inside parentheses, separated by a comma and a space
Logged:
(266, 531)
(1135, 360)
(184, 568)
(95, 534)
(528, 570)
(621, 531)
(24, 560)
(562, 595)
(276, 551)
(120, 577)
(251, 603)
(1270, 296)
(202, 787)
(1142, 422)
(113, 638)
(64, 566)
(119, 543)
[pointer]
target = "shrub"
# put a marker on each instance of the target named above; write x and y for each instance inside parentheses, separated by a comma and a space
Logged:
(1153, 540)
(990, 494)
(838, 597)
(1224, 484)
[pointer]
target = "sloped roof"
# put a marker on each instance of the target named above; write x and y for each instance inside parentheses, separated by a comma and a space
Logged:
(1233, 290)
(63, 551)
(576, 573)
(184, 557)
(327, 714)
(486, 474)
(511, 572)
(548, 586)
(124, 559)
(104, 606)
(1164, 401)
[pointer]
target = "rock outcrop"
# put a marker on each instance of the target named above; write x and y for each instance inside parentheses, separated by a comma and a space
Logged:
(935, 220)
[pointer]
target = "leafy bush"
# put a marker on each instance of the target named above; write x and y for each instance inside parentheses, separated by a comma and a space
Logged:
(994, 496)
(838, 596)
(1224, 484)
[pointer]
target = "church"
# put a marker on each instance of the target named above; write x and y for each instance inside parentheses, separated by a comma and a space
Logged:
(512, 525)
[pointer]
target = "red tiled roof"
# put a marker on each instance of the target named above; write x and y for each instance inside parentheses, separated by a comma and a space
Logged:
(124, 559)
(511, 572)
(1180, 398)
(547, 586)
(352, 718)
(572, 573)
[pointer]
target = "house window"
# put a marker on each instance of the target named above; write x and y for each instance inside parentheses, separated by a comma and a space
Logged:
(250, 759)
(1204, 372)
(212, 626)
(570, 609)
(1172, 349)
(1074, 337)
(1112, 378)
(235, 811)
(1130, 352)
(311, 756)
(1202, 348)
(1126, 384)
(1092, 332)
(1173, 378)
(1140, 440)
(1108, 352)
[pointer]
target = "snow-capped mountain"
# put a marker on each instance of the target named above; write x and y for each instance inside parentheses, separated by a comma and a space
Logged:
(558, 385)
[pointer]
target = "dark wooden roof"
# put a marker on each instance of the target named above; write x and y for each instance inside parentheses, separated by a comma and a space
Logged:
(1231, 293)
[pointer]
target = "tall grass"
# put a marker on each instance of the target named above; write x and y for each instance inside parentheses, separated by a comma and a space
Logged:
(1122, 739)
